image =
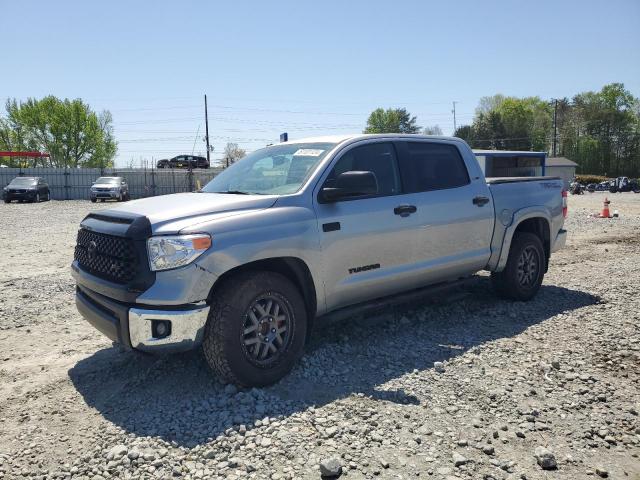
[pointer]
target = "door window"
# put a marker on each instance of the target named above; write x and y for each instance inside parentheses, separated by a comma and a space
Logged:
(432, 166)
(379, 158)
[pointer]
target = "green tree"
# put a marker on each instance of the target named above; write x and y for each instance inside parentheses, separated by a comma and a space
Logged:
(72, 133)
(598, 130)
(601, 132)
(509, 123)
(392, 120)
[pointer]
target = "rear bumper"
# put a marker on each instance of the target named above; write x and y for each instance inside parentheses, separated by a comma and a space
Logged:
(131, 325)
(560, 241)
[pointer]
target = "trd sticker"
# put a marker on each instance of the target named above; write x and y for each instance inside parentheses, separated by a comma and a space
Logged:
(364, 268)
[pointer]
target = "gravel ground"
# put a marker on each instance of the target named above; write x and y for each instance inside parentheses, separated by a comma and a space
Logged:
(468, 386)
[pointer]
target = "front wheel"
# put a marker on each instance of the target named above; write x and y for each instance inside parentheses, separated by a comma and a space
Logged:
(256, 329)
(524, 272)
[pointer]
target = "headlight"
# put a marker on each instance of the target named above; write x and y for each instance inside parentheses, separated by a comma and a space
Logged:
(176, 251)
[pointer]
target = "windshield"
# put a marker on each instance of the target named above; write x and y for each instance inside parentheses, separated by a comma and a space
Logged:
(108, 180)
(23, 182)
(276, 170)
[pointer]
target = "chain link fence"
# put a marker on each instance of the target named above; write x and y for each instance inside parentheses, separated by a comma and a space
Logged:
(74, 183)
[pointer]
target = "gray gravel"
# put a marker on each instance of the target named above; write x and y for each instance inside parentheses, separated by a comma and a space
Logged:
(468, 386)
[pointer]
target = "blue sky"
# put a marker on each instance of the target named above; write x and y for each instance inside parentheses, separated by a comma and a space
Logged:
(305, 67)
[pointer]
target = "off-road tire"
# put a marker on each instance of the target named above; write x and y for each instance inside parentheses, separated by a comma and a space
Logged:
(506, 283)
(222, 344)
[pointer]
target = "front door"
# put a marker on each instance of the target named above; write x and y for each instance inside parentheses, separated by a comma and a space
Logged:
(366, 242)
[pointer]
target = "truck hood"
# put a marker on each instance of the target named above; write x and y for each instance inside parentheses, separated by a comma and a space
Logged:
(171, 213)
(105, 185)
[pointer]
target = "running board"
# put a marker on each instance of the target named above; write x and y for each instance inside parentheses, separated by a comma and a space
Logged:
(420, 294)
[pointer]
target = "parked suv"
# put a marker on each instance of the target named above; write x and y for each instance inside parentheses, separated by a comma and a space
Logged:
(184, 161)
(109, 188)
(303, 230)
(32, 189)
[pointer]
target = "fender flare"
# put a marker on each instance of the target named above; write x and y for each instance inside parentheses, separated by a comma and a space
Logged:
(518, 217)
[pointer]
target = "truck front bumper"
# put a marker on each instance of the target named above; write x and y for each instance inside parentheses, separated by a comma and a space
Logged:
(137, 327)
(110, 195)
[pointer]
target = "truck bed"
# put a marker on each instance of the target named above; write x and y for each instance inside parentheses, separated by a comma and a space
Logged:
(496, 180)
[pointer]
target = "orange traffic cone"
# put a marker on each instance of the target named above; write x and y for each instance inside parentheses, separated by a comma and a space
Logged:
(605, 209)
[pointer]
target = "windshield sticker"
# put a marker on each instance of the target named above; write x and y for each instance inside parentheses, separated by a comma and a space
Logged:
(308, 152)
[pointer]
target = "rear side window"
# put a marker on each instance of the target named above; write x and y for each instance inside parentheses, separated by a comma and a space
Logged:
(431, 166)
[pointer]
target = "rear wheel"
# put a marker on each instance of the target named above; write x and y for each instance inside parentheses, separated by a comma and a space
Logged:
(256, 329)
(37, 199)
(48, 196)
(524, 272)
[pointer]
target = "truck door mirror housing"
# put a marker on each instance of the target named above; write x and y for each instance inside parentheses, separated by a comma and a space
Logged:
(351, 184)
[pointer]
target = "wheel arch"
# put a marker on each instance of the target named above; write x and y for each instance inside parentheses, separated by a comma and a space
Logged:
(536, 222)
(538, 226)
(293, 268)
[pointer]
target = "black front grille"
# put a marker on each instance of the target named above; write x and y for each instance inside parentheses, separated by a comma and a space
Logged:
(107, 256)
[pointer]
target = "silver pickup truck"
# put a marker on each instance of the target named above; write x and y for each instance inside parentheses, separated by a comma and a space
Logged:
(303, 230)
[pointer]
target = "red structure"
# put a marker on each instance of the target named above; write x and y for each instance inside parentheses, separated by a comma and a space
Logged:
(25, 154)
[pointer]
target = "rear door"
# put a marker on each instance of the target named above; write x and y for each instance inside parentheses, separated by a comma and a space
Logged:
(454, 211)
(366, 246)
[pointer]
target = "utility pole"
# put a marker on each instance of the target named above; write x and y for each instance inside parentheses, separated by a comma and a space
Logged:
(454, 118)
(206, 121)
(555, 125)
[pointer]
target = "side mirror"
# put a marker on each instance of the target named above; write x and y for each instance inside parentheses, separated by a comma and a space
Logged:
(351, 184)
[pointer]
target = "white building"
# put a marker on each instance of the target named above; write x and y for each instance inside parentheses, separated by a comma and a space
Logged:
(560, 167)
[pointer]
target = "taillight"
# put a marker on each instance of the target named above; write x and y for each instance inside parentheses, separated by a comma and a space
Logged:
(565, 206)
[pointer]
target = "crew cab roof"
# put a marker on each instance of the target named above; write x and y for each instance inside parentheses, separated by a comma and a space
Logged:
(362, 136)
